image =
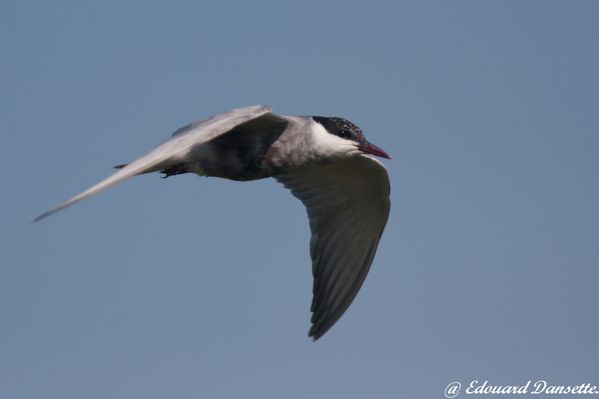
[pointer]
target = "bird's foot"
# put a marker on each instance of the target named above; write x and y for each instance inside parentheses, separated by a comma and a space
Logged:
(178, 169)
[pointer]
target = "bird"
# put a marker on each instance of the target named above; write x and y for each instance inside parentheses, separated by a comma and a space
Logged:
(326, 162)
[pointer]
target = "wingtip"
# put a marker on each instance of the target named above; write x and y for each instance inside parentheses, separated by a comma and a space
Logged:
(315, 334)
(40, 217)
(46, 214)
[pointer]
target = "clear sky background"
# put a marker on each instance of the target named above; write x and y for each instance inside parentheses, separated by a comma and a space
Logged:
(200, 288)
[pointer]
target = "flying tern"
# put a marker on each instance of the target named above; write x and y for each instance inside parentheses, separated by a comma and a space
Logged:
(326, 162)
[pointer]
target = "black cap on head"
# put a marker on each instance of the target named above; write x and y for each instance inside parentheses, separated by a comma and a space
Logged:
(345, 129)
(342, 128)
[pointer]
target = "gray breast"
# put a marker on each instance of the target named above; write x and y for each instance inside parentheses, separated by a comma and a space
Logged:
(292, 149)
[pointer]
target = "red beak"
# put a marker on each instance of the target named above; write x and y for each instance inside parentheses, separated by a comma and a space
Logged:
(370, 148)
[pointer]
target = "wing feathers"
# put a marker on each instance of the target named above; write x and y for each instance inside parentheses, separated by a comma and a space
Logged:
(348, 204)
(191, 135)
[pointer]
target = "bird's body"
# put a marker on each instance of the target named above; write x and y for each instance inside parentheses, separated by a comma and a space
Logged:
(262, 147)
(321, 160)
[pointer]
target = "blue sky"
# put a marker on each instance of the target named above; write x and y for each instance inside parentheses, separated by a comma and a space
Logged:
(194, 287)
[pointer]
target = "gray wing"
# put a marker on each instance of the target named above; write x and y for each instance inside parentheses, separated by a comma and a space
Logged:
(177, 146)
(348, 206)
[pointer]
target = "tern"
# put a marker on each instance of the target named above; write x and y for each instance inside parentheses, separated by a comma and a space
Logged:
(326, 162)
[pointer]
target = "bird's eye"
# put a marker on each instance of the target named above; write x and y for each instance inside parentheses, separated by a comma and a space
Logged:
(345, 134)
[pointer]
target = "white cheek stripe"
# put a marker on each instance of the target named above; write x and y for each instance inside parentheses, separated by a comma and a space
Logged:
(327, 143)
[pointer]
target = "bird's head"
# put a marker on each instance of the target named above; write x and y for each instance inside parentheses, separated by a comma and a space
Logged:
(346, 130)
